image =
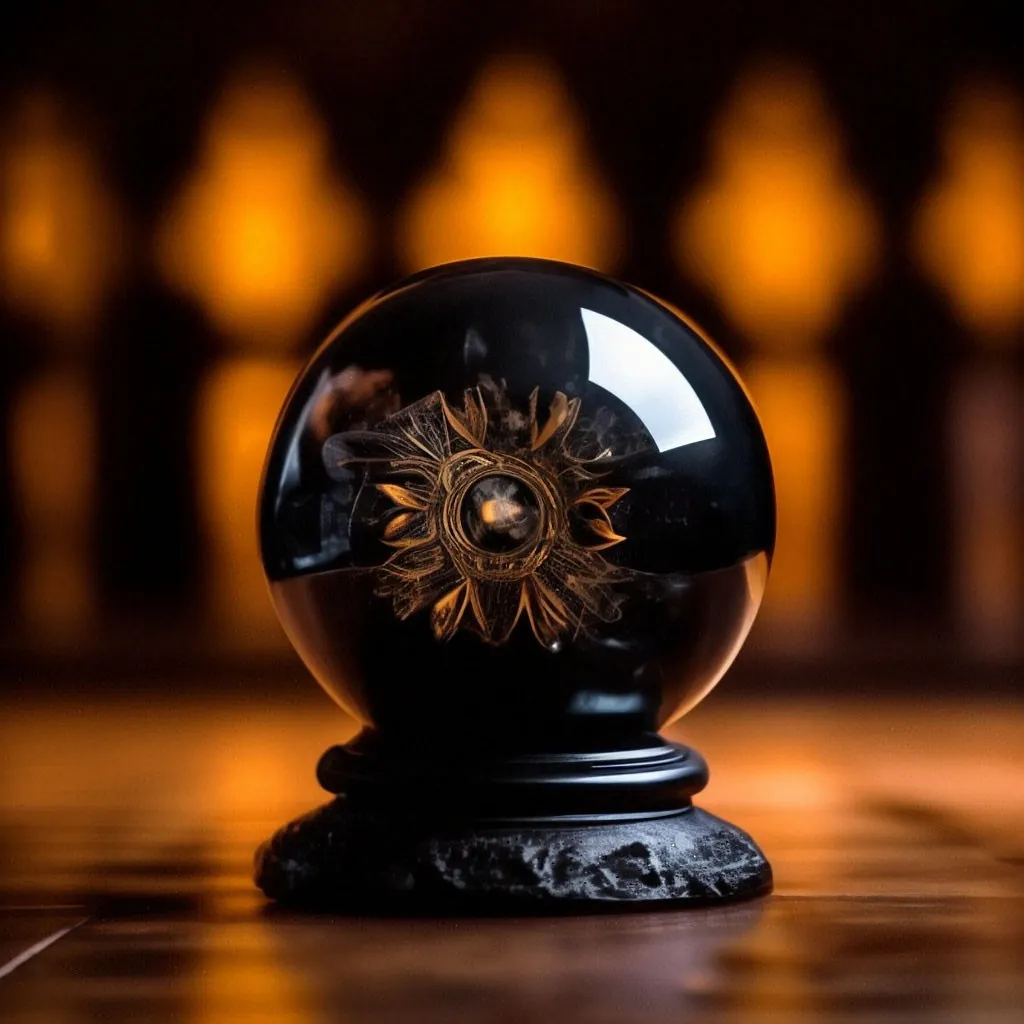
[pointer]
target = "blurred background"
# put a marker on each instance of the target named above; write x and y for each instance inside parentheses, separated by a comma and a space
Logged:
(191, 194)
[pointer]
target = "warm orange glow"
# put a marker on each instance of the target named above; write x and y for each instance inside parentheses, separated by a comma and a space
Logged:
(515, 180)
(243, 974)
(59, 231)
(777, 231)
(238, 405)
(970, 228)
(802, 411)
(53, 448)
(263, 230)
(243, 777)
(987, 431)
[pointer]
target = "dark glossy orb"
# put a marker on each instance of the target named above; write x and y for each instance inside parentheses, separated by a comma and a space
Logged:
(517, 500)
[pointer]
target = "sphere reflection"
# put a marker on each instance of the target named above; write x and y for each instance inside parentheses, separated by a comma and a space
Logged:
(515, 493)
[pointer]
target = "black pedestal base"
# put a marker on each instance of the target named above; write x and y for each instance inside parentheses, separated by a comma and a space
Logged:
(445, 830)
(334, 856)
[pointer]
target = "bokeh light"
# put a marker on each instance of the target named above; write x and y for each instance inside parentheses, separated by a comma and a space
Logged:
(781, 236)
(61, 235)
(802, 410)
(777, 231)
(61, 246)
(515, 179)
(262, 234)
(970, 227)
(238, 405)
(264, 229)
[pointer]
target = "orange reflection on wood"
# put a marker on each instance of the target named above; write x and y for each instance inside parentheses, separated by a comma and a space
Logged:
(53, 449)
(970, 226)
(777, 232)
(238, 406)
(802, 410)
(515, 179)
(243, 975)
(263, 230)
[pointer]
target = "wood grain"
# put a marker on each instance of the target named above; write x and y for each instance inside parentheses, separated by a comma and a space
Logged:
(896, 831)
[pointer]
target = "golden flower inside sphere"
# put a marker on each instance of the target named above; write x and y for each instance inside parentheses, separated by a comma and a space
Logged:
(490, 514)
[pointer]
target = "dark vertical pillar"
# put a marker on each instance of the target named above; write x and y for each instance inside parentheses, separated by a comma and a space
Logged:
(897, 348)
(149, 363)
(20, 354)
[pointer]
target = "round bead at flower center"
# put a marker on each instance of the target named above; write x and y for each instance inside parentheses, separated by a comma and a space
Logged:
(500, 513)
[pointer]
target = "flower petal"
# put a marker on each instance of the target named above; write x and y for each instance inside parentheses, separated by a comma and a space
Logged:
(448, 611)
(407, 529)
(604, 497)
(403, 496)
(415, 564)
(397, 525)
(415, 577)
(603, 529)
(497, 605)
(601, 526)
(405, 600)
(425, 468)
(549, 617)
(562, 415)
(471, 424)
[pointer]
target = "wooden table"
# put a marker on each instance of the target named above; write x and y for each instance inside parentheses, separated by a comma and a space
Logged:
(896, 830)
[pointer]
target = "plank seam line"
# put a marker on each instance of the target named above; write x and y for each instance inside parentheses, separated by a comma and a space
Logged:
(27, 954)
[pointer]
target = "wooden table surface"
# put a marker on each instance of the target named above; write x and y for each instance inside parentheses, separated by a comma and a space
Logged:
(896, 830)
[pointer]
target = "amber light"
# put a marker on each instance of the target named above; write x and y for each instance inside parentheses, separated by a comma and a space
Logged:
(970, 226)
(969, 238)
(60, 249)
(263, 229)
(515, 179)
(781, 235)
(238, 404)
(802, 411)
(60, 231)
(777, 230)
(262, 233)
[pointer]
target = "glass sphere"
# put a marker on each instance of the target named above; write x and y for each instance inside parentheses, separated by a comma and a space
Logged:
(514, 497)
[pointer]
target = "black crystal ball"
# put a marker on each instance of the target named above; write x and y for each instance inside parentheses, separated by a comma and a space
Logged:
(516, 498)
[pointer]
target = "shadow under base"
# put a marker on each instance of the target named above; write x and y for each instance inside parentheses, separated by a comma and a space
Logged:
(539, 831)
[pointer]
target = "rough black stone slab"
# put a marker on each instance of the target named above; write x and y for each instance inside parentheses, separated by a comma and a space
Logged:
(332, 857)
